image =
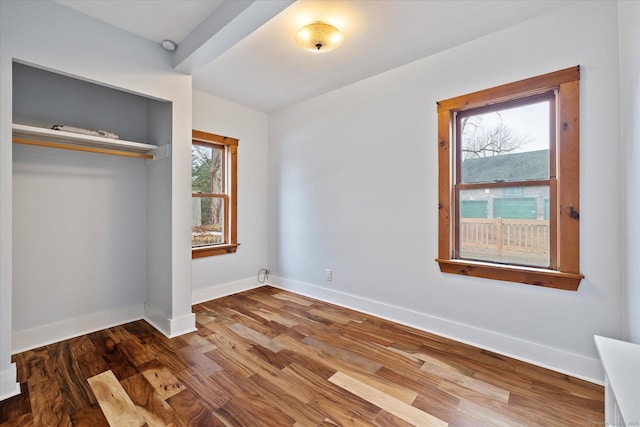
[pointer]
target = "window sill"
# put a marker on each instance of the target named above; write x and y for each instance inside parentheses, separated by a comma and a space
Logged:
(213, 250)
(526, 275)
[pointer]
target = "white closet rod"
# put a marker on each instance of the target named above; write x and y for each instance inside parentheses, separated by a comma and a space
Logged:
(64, 146)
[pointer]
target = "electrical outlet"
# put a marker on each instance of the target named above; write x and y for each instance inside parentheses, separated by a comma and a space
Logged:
(328, 275)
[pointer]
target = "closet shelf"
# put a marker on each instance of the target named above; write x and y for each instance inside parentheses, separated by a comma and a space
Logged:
(25, 134)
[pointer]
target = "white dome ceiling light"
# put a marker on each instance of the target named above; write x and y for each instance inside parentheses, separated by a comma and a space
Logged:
(319, 37)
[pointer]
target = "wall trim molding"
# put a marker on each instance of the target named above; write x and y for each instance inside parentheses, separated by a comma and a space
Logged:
(9, 387)
(555, 359)
(169, 327)
(70, 328)
(224, 289)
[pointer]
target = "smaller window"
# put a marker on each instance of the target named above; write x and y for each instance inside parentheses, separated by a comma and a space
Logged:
(214, 167)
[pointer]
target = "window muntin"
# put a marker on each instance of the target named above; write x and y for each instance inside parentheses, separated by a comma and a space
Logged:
(561, 208)
(214, 194)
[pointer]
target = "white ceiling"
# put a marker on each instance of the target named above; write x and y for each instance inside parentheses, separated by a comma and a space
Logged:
(244, 51)
(155, 20)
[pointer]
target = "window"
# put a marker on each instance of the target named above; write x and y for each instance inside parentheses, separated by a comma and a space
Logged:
(214, 169)
(509, 182)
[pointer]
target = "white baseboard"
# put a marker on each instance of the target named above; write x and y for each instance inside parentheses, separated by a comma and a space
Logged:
(555, 359)
(170, 327)
(9, 387)
(219, 291)
(70, 328)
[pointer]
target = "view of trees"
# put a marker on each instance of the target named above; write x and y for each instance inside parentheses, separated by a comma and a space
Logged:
(206, 169)
(207, 178)
(483, 139)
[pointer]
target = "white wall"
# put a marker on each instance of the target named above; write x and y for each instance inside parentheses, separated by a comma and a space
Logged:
(629, 16)
(52, 36)
(224, 274)
(353, 188)
(79, 230)
(8, 384)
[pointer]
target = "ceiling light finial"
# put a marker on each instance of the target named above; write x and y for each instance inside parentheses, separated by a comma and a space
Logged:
(319, 37)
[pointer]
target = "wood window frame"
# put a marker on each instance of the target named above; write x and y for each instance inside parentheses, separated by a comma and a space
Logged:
(230, 196)
(564, 270)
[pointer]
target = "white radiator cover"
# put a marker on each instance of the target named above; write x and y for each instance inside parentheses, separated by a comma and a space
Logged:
(621, 362)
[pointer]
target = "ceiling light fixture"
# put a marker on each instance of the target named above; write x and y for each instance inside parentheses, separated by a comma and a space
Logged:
(319, 37)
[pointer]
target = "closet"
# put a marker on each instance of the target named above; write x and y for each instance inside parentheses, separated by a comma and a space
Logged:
(91, 215)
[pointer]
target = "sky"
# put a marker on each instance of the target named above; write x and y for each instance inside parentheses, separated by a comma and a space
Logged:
(531, 120)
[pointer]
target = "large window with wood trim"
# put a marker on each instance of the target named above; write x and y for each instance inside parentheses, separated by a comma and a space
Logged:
(509, 182)
(214, 168)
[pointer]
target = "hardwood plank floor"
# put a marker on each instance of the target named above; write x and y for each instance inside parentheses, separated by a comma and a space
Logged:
(267, 357)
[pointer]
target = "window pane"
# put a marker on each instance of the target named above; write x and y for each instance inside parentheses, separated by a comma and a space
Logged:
(506, 145)
(497, 227)
(207, 224)
(207, 169)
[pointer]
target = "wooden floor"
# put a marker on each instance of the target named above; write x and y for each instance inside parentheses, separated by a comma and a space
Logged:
(272, 358)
